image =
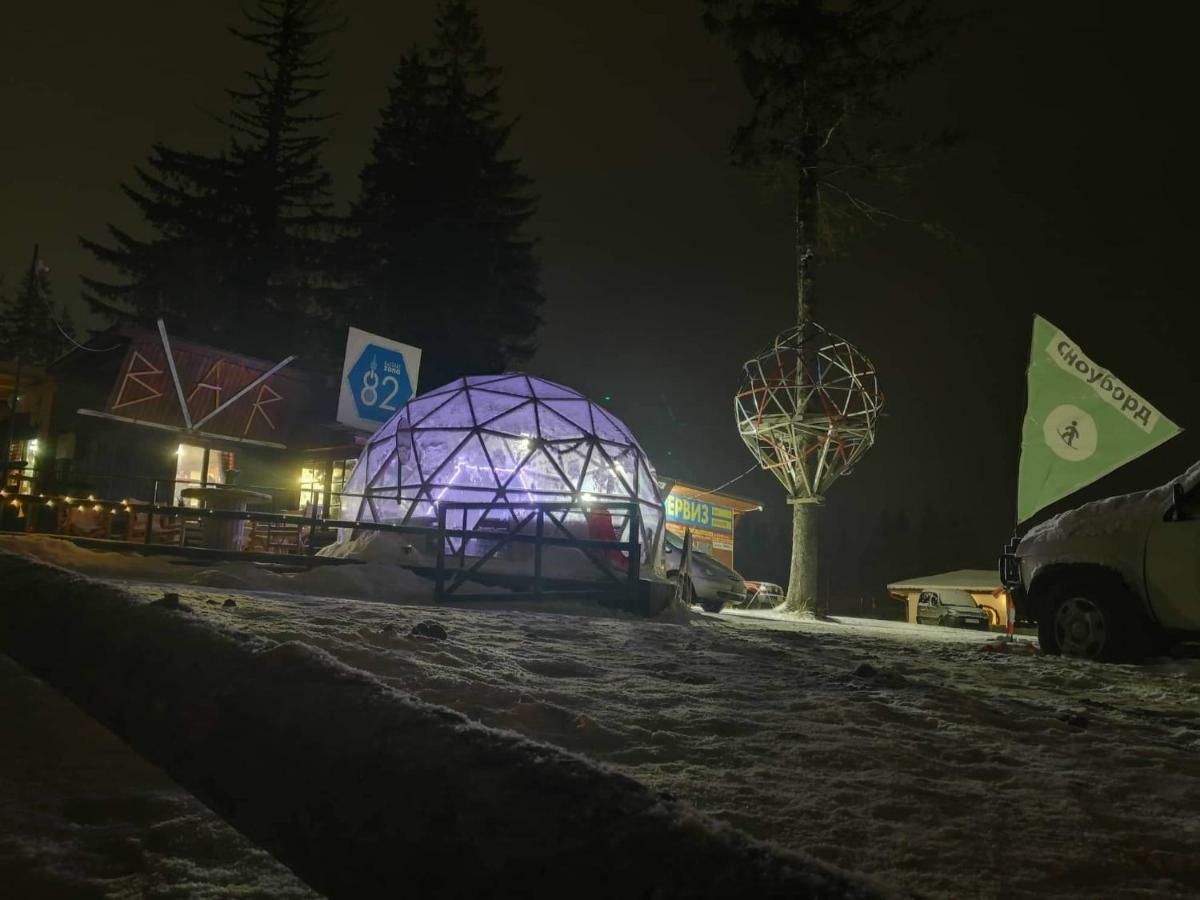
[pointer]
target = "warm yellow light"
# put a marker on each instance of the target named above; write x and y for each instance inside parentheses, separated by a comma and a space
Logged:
(92, 498)
(68, 500)
(95, 508)
(179, 450)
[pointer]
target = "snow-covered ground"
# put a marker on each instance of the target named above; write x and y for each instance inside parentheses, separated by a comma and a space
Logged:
(910, 753)
(82, 815)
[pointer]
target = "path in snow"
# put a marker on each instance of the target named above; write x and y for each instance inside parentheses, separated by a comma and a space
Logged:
(900, 751)
(924, 762)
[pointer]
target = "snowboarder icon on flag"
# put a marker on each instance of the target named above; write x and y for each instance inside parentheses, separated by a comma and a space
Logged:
(1070, 434)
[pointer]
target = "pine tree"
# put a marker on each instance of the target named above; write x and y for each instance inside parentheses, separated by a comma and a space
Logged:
(234, 255)
(439, 223)
(29, 323)
(388, 251)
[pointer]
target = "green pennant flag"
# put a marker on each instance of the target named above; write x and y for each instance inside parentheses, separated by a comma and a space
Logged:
(1081, 422)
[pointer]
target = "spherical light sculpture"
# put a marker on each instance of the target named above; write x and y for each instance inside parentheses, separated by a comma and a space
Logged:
(807, 409)
(501, 440)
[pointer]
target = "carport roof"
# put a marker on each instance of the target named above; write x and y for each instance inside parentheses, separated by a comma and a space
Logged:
(978, 580)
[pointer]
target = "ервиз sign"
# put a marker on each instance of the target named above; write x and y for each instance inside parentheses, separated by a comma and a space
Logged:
(698, 513)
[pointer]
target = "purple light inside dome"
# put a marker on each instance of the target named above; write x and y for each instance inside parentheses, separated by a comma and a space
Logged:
(506, 439)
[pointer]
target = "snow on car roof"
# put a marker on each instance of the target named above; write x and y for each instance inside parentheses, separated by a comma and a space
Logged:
(959, 580)
(1112, 515)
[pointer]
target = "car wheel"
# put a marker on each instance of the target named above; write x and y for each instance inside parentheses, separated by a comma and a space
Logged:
(712, 606)
(946, 622)
(1092, 617)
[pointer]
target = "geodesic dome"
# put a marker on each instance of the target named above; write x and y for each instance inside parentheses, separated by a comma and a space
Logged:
(502, 439)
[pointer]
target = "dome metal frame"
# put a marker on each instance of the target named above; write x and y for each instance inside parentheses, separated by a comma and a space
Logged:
(503, 443)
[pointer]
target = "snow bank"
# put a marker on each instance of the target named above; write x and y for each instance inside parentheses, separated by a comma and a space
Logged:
(365, 791)
(373, 546)
(82, 815)
(567, 563)
(373, 579)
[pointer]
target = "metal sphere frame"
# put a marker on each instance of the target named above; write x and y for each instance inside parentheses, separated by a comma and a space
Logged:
(808, 408)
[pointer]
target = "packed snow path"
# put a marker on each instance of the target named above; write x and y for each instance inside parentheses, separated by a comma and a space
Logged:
(907, 753)
(364, 790)
(927, 763)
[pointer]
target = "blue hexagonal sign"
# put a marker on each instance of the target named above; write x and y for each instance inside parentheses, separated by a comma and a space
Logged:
(379, 376)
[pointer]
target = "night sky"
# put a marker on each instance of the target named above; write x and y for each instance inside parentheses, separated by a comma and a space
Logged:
(664, 268)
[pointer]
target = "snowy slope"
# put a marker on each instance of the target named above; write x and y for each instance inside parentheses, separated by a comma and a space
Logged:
(82, 815)
(942, 769)
(365, 790)
(905, 752)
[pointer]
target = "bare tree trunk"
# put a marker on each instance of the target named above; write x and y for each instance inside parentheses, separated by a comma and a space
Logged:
(802, 579)
(806, 240)
(802, 595)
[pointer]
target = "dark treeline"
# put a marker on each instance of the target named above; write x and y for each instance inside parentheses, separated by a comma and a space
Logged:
(242, 249)
(32, 329)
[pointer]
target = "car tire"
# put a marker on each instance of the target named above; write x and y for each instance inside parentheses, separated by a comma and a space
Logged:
(946, 622)
(1092, 615)
(712, 606)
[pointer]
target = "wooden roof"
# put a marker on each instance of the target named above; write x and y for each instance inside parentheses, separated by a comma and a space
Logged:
(972, 580)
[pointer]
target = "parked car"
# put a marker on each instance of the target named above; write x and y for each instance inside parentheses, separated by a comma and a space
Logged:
(709, 583)
(950, 608)
(1111, 579)
(763, 595)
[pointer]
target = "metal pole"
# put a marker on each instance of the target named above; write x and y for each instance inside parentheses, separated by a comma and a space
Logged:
(635, 552)
(441, 554)
(22, 341)
(12, 421)
(537, 553)
(150, 514)
(326, 495)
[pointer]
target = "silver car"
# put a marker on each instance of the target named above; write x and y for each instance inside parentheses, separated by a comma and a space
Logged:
(763, 595)
(710, 583)
(950, 608)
